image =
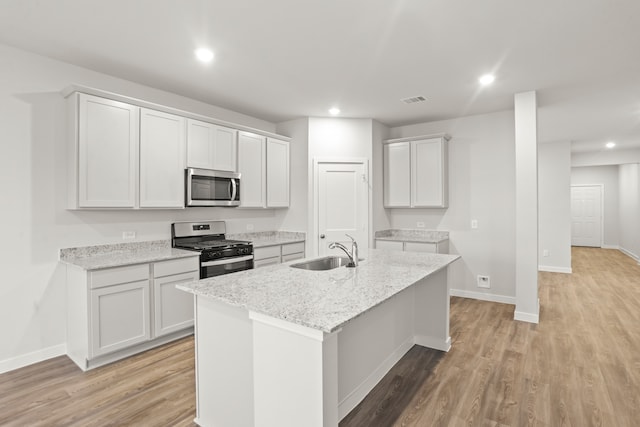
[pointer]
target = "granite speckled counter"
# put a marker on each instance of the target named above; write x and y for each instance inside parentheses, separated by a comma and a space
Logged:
(269, 238)
(121, 254)
(410, 235)
(321, 300)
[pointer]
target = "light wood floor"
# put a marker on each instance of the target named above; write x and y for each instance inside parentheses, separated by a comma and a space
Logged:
(580, 366)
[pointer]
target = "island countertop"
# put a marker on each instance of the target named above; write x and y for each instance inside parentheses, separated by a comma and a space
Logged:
(321, 300)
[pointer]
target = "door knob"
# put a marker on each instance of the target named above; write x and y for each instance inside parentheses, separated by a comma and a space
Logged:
(322, 236)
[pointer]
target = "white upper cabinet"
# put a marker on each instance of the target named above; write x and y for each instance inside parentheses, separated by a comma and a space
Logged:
(263, 164)
(416, 172)
(252, 155)
(127, 153)
(277, 173)
(397, 175)
(162, 152)
(210, 146)
(103, 159)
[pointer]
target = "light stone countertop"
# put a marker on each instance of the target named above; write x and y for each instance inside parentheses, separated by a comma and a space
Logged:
(410, 235)
(269, 238)
(121, 254)
(321, 300)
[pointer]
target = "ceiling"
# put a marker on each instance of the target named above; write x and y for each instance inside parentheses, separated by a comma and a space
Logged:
(283, 59)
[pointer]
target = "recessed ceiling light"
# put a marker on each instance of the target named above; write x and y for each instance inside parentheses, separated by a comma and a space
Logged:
(204, 55)
(487, 79)
(610, 144)
(334, 111)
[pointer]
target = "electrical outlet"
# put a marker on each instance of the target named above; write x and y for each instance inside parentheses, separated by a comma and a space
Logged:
(128, 235)
(484, 282)
(545, 252)
(249, 227)
(474, 223)
(420, 224)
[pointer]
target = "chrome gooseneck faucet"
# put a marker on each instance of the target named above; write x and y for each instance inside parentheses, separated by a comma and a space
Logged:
(353, 255)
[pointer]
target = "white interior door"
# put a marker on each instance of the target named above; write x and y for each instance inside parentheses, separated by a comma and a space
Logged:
(586, 215)
(342, 204)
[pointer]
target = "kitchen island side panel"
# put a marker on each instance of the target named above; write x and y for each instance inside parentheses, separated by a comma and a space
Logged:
(224, 365)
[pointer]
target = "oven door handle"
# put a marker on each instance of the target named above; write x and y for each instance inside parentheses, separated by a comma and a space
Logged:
(226, 261)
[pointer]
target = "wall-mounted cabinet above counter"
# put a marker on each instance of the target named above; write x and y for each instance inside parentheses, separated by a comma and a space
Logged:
(263, 163)
(127, 153)
(415, 172)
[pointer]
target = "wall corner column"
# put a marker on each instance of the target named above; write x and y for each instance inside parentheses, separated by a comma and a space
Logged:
(526, 150)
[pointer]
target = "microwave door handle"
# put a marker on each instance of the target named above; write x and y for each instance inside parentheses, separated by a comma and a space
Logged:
(234, 189)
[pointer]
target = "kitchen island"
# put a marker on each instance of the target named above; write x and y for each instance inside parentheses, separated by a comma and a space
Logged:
(281, 346)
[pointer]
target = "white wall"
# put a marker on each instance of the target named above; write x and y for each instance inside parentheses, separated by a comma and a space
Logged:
(336, 138)
(554, 198)
(481, 187)
(295, 217)
(606, 157)
(629, 185)
(607, 176)
(35, 222)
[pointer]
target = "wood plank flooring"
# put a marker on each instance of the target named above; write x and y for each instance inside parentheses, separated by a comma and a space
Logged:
(580, 366)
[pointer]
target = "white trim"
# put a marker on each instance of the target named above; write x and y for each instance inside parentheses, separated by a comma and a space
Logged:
(629, 254)
(431, 342)
(611, 247)
(528, 317)
(482, 296)
(33, 357)
(552, 269)
(360, 392)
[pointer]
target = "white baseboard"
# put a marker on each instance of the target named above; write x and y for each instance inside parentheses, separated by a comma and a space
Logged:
(629, 254)
(482, 296)
(528, 317)
(610, 247)
(434, 343)
(361, 391)
(33, 357)
(552, 269)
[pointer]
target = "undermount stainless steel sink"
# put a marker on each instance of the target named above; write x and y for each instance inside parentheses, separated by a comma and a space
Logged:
(325, 263)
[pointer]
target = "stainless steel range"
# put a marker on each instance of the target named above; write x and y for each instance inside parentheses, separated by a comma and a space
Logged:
(217, 254)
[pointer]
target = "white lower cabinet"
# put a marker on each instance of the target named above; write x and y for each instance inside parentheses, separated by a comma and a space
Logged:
(173, 308)
(116, 312)
(276, 254)
(434, 248)
(119, 317)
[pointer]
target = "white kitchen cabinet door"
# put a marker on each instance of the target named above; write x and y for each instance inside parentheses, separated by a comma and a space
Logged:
(428, 173)
(107, 153)
(211, 147)
(389, 245)
(173, 308)
(251, 165)
(277, 173)
(162, 151)
(397, 174)
(119, 317)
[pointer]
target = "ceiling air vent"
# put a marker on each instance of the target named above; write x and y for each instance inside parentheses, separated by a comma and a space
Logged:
(414, 99)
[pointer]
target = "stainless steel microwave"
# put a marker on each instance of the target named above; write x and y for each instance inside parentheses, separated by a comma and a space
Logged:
(205, 187)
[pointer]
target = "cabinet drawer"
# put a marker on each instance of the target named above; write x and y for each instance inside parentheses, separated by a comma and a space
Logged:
(175, 266)
(117, 275)
(292, 248)
(266, 261)
(266, 252)
(291, 257)
(389, 245)
(421, 247)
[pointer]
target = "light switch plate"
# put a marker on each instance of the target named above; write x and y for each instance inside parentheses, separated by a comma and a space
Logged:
(474, 223)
